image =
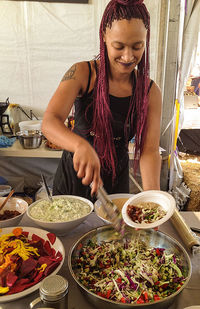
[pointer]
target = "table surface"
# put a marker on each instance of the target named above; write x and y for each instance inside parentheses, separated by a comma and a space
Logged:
(16, 150)
(76, 300)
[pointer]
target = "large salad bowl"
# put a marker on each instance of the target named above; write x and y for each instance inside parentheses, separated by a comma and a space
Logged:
(151, 238)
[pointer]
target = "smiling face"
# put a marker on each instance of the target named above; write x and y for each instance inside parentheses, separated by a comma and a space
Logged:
(125, 43)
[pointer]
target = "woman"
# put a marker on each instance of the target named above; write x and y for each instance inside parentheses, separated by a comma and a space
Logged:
(114, 101)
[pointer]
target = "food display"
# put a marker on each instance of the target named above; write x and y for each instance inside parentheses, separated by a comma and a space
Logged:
(132, 273)
(145, 212)
(60, 210)
(25, 259)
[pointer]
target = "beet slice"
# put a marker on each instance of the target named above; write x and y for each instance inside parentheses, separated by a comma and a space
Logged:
(52, 237)
(11, 278)
(49, 269)
(47, 247)
(44, 260)
(37, 238)
(25, 233)
(59, 256)
(27, 266)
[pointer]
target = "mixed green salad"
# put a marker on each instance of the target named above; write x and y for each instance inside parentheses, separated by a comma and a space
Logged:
(129, 273)
(145, 212)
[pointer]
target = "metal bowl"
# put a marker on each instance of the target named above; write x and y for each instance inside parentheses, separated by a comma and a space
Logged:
(151, 238)
(30, 139)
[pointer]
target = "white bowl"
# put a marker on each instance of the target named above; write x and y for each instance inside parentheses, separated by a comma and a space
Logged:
(60, 228)
(5, 189)
(13, 203)
(164, 199)
(119, 199)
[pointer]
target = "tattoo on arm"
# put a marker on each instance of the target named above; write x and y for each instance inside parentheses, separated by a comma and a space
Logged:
(69, 74)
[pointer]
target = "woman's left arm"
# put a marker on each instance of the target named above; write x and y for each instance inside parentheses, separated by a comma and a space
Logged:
(150, 159)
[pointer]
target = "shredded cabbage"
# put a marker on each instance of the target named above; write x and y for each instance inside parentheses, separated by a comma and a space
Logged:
(129, 273)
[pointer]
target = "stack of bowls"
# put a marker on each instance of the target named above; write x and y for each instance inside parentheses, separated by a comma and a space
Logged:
(30, 135)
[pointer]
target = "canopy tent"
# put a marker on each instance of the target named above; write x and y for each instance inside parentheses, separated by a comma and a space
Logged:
(187, 46)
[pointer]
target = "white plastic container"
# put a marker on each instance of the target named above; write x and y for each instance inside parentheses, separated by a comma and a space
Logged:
(30, 125)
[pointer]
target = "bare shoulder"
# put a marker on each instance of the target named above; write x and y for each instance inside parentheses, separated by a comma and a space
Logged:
(155, 89)
(155, 96)
(78, 70)
(77, 77)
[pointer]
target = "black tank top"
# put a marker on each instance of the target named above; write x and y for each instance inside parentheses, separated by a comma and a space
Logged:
(119, 107)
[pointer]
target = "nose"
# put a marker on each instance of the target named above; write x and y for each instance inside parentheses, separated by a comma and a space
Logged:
(127, 55)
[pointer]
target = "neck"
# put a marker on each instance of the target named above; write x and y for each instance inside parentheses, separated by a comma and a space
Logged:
(120, 77)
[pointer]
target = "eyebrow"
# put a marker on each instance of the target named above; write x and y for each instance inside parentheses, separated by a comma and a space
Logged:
(139, 42)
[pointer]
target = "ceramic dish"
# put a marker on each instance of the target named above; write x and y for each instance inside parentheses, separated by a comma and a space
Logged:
(58, 246)
(61, 228)
(164, 199)
(118, 199)
(13, 204)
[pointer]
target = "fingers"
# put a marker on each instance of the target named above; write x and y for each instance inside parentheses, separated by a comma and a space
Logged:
(87, 166)
(97, 182)
(81, 171)
(92, 175)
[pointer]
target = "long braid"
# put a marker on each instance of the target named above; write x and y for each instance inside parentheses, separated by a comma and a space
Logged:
(102, 119)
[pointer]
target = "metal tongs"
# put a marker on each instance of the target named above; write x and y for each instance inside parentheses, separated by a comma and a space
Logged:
(111, 210)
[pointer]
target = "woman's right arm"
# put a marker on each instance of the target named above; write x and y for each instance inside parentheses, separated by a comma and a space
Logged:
(85, 159)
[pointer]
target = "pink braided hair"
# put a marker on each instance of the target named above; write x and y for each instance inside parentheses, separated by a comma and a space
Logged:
(102, 118)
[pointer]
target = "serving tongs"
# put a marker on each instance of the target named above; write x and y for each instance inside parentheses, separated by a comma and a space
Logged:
(111, 210)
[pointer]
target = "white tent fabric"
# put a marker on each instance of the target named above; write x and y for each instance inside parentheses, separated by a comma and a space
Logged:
(188, 46)
(39, 41)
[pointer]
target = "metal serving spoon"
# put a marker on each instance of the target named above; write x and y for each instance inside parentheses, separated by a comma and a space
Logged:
(46, 188)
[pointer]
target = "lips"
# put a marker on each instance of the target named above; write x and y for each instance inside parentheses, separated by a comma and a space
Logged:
(126, 64)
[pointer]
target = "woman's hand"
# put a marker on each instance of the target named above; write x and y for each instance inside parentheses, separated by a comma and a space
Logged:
(87, 165)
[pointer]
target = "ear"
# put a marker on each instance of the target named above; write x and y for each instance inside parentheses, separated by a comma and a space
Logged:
(104, 37)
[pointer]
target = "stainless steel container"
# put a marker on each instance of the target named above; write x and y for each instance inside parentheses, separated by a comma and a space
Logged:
(30, 139)
(53, 293)
(151, 238)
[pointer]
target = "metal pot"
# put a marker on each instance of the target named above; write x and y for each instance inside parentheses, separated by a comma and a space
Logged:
(30, 139)
(151, 238)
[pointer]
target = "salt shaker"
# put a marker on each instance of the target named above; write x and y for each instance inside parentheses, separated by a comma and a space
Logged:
(53, 293)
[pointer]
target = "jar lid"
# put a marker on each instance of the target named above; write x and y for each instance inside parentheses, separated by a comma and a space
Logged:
(53, 288)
